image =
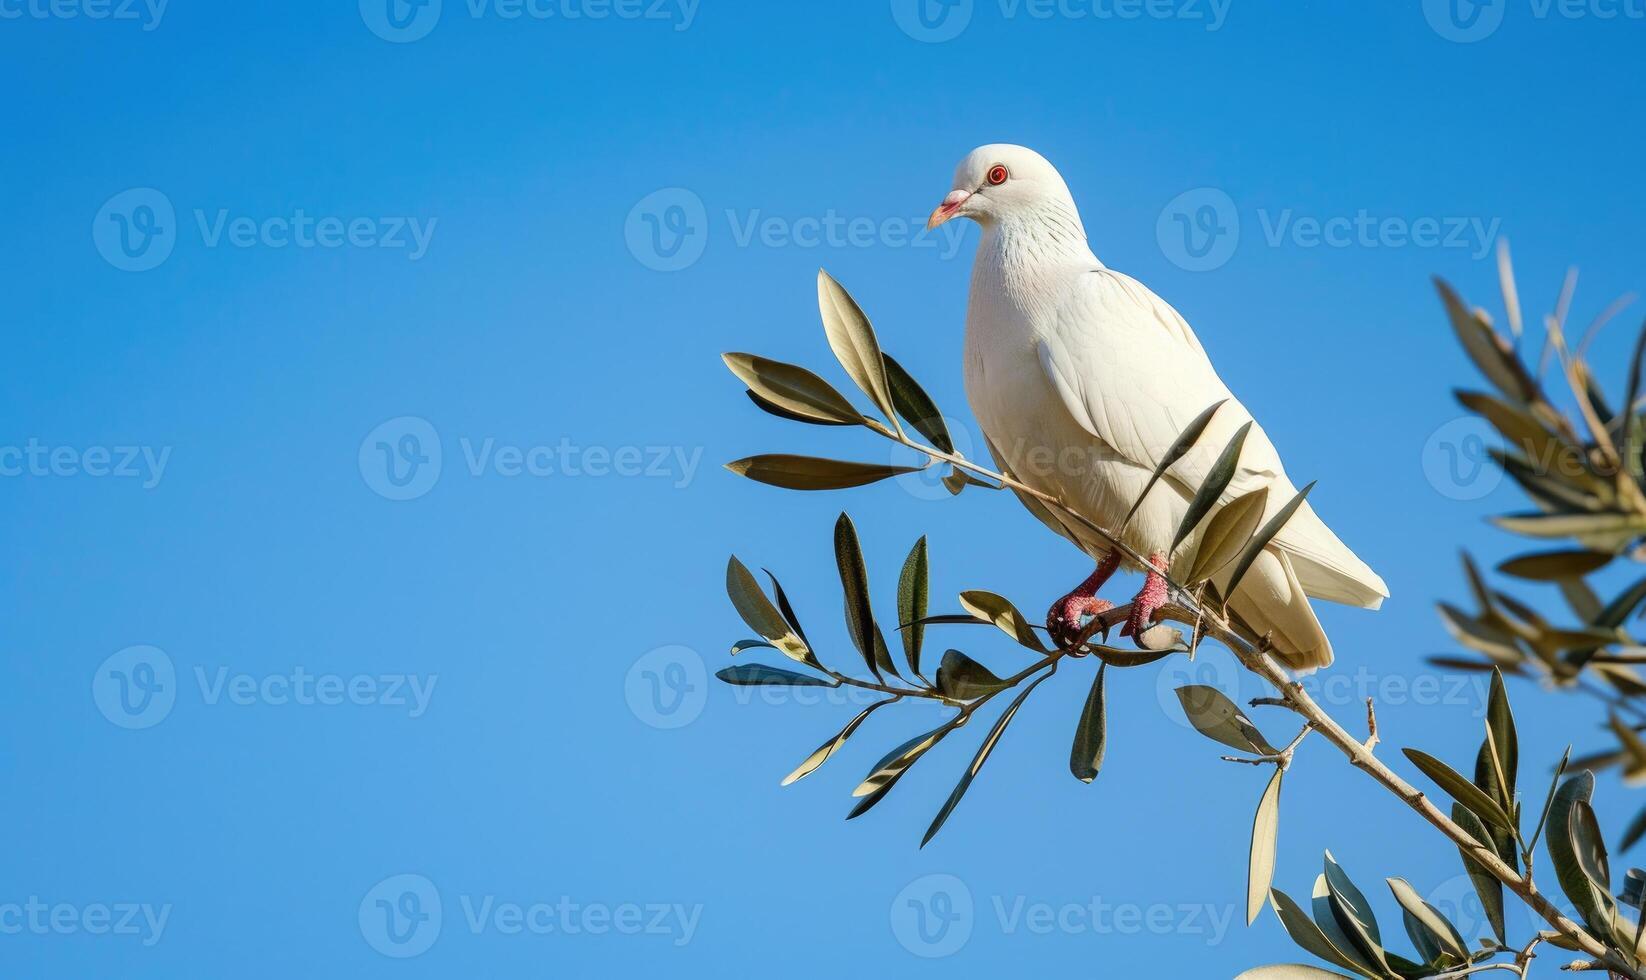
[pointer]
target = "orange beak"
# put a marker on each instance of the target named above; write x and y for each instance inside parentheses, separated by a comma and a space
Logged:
(949, 208)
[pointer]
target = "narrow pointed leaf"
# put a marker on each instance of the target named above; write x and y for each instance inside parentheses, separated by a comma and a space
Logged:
(964, 679)
(1633, 833)
(742, 645)
(1488, 766)
(793, 389)
(1226, 535)
(1564, 845)
(761, 616)
(916, 407)
(772, 408)
(1287, 971)
(1116, 657)
(1091, 734)
(1211, 489)
(1589, 846)
(1630, 446)
(1611, 527)
(1485, 883)
(1550, 490)
(1427, 949)
(1434, 925)
(874, 796)
(786, 609)
(1309, 936)
(894, 763)
(1500, 722)
(1520, 430)
(1213, 715)
(1261, 540)
(1460, 789)
(829, 748)
(1506, 284)
(1336, 925)
(854, 585)
(812, 472)
(1480, 634)
(912, 587)
(1491, 354)
(1549, 800)
(1617, 611)
(1477, 583)
(1552, 566)
(1181, 445)
(1260, 863)
(998, 610)
(1352, 900)
(852, 339)
(982, 756)
(760, 675)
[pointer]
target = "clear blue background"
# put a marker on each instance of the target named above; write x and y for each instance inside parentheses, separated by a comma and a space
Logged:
(531, 320)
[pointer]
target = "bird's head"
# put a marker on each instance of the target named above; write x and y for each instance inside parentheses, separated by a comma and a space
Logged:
(999, 181)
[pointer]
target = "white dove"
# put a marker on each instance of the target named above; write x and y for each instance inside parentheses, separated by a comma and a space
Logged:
(1082, 378)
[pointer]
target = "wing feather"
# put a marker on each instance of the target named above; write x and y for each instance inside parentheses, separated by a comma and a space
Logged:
(1140, 380)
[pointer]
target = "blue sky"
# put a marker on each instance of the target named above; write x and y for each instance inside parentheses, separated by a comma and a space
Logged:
(257, 253)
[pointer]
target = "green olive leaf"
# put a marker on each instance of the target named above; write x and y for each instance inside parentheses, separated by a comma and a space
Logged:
(813, 473)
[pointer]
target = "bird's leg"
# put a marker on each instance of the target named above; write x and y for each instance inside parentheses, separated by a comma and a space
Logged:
(1149, 599)
(1063, 619)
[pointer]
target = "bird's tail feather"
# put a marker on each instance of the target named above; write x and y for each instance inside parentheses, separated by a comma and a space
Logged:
(1326, 567)
(1271, 601)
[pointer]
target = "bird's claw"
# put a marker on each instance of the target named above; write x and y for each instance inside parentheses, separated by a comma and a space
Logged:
(1066, 620)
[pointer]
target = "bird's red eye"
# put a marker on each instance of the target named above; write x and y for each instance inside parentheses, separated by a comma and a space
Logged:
(997, 175)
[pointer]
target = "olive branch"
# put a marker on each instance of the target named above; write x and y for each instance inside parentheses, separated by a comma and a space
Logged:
(1485, 819)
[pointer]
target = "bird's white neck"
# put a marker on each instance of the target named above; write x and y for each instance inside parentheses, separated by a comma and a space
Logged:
(1022, 252)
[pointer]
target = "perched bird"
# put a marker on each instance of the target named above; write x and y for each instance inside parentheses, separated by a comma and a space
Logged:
(1081, 379)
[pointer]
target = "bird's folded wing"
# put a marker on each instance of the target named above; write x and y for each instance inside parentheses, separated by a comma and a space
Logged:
(1131, 372)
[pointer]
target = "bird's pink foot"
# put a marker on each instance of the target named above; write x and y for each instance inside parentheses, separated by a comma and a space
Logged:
(1149, 599)
(1064, 619)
